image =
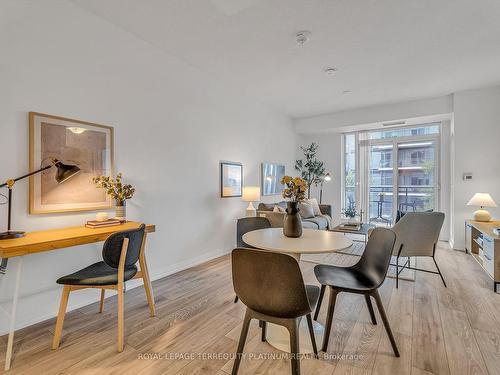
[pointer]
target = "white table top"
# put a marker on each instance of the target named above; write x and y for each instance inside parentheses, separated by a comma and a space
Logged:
(312, 241)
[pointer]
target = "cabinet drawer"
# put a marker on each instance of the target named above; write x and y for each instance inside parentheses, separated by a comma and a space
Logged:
(488, 247)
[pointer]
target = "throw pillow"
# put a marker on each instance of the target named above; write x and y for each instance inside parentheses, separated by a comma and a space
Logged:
(278, 209)
(314, 203)
(306, 210)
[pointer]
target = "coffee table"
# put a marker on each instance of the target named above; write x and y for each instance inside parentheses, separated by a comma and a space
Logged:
(363, 230)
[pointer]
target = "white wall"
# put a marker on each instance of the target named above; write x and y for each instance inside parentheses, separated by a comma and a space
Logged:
(476, 133)
(172, 126)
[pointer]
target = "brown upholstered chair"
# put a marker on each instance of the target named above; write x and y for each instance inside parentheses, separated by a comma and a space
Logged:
(272, 288)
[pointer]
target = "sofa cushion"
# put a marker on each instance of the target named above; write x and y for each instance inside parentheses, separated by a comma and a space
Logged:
(306, 210)
(270, 206)
(275, 218)
(314, 203)
(320, 222)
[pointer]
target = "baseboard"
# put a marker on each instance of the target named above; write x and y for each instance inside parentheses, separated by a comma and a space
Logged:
(156, 274)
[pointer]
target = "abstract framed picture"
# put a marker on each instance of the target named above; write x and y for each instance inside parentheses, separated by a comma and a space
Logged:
(231, 179)
(84, 144)
(271, 175)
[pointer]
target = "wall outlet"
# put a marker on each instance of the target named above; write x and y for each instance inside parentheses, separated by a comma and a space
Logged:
(467, 176)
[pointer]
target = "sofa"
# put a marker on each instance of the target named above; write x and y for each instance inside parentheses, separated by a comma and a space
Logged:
(321, 222)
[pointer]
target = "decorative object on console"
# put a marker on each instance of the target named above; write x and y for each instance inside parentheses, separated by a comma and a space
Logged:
(63, 173)
(116, 190)
(350, 213)
(294, 191)
(270, 178)
(482, 200)
(88, 145)
(103, 224)
(326, 178)
(231, 179)
(311, 169)
(251, 194)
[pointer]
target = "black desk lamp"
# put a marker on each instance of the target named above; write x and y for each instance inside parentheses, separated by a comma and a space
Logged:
(64, 172)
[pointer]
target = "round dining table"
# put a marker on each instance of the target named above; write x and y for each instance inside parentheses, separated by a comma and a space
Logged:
(312, 241)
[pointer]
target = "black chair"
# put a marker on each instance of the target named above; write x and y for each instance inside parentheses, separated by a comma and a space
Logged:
(365, 277)
(272, 288)
(120, 253)
(245, 225)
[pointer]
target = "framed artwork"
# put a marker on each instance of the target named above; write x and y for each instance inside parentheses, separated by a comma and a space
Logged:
(87, 145)
(231, 179)
(271, 178)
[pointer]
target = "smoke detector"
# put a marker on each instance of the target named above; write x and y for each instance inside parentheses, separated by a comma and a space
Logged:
(302, 37)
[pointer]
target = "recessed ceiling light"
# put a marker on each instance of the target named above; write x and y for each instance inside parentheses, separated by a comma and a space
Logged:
(330, 71)
(302, 37)
(346, 92)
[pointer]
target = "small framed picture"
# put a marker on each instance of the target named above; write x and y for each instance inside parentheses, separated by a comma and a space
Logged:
(231, 179)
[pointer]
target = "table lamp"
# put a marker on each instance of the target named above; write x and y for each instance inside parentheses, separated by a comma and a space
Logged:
(64, 172)
(251, 194)
(482, 200)
(327, 177)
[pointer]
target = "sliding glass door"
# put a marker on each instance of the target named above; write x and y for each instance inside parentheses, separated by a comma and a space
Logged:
(398, 172)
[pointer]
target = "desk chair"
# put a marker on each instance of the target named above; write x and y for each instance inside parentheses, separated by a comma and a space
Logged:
(365, 277)
(120, 253)
(272, 288)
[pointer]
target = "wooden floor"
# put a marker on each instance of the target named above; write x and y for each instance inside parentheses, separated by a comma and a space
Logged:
(454, 330)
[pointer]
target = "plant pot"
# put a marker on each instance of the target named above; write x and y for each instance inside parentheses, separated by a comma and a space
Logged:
(120, 210)
(292, 223)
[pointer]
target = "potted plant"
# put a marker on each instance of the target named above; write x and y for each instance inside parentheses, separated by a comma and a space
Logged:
(350, 214)
(118, 191)
(311, 169)
(294, 192)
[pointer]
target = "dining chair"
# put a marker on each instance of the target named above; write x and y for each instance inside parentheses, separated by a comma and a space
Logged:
(121, 252)
(271, 286)
(417, 234)
(364, 277)
(245, 225)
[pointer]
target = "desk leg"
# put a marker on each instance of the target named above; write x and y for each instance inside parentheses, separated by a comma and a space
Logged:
(10, 342)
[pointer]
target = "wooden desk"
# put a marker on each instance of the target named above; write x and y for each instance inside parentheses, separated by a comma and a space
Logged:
(49, 240)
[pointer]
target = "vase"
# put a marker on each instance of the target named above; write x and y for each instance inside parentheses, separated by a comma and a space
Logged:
(120, 210)
(292, 223)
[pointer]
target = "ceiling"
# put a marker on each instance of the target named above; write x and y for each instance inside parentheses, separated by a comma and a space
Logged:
(385, 51)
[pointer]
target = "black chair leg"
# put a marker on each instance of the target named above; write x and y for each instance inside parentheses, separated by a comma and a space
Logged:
(397, 273)
(370, 309)
(318, 306)
(381, 310)
(439, 271)
(311, 333)
(236, 299)
(264, 327)
(241, 344)
(329, 318)
(294, 346)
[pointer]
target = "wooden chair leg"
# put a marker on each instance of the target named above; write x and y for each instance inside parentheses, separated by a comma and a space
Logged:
(101, 304)
(121, 333)
(295, 346)
(329, 318)
(60, 317)
(318, 306)
(241, 343)
(147, 286)
(370, 309)
(381, 310)
(311, 333)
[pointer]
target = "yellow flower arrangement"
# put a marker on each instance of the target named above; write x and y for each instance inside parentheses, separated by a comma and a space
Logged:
(295, 188)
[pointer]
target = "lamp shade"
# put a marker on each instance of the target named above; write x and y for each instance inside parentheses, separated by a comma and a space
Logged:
(251, 194)
(482, 200)
(65, 171)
